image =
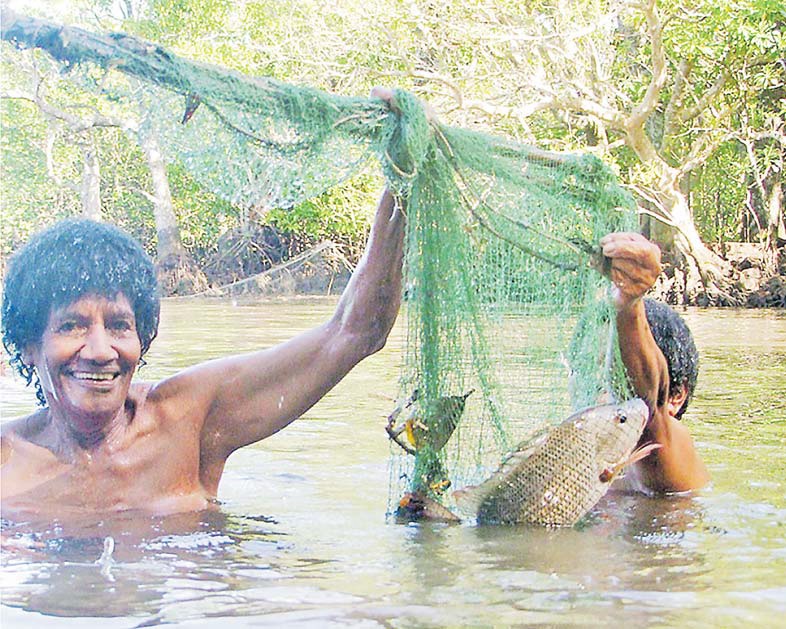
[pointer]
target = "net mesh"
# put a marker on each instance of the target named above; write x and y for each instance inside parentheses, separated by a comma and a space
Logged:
(501, 299)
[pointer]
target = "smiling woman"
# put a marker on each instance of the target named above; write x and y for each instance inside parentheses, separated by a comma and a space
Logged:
(80, 308)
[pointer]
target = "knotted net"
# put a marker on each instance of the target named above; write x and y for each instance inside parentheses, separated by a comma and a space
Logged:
(501, 299)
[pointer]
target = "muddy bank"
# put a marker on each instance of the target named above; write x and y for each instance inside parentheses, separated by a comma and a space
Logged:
(266, 270)
(321, 270)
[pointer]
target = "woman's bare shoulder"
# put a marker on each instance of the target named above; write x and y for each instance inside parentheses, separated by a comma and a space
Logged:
(24, 427)
(167, 403)
(19, 430)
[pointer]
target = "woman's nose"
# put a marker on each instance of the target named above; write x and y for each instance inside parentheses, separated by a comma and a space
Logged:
(98, 345)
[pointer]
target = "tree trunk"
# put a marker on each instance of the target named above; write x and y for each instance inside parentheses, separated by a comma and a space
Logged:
(709, 277)
(776, 228)
(91, 182)
(177, 273)
(167, 231)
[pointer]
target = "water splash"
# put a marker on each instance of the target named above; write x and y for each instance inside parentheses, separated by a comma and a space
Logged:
(105, 561)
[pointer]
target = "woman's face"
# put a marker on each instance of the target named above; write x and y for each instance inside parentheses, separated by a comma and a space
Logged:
(86, 359)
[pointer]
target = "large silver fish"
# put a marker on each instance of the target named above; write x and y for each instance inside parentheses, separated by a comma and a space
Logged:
(557, 479)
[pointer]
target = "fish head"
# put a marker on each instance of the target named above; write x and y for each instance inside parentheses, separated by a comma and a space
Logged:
(614, 428)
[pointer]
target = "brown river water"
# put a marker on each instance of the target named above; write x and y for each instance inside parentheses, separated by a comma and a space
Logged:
(302, 539)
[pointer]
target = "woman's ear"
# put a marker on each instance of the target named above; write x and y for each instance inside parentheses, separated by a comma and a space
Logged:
(677, 399)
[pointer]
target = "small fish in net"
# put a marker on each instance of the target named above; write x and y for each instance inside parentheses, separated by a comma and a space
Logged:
(429, 426)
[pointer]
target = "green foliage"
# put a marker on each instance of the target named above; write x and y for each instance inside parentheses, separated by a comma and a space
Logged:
(718, 195)
(203, 217)
(29, 200)
(186, 22)
(342, 215)
(741, 42)
(124, 177)
(479, 63)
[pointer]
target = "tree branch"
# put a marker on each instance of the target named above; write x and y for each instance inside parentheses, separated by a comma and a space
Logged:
(775, 134)
(502, 111)
(49, 146)
(701, 149)
(648, 103)
(429, 76)
(706, 99)
(674, 105)
(75, 123)
(144, 193)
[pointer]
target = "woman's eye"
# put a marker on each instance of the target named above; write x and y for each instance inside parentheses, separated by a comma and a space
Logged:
(121, 325)
(66, 327)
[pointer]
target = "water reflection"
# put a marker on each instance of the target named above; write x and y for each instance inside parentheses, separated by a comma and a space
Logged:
(301, 538)
(154, 562)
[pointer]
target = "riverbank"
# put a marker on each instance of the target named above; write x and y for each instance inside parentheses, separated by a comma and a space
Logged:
(758, 277)
(324, 270)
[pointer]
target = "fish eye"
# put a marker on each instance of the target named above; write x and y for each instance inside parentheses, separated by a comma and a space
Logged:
(622, 418)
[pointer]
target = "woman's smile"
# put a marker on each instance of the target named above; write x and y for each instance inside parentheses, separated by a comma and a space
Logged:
(86, 375)
(95, 377)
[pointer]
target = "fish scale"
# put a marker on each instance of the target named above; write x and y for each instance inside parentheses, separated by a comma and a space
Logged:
(555, 481)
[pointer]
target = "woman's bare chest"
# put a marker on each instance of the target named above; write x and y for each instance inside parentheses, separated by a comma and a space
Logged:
(152, 468)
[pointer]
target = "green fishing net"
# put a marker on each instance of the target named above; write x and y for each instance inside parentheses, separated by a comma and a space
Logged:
(507, 322)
